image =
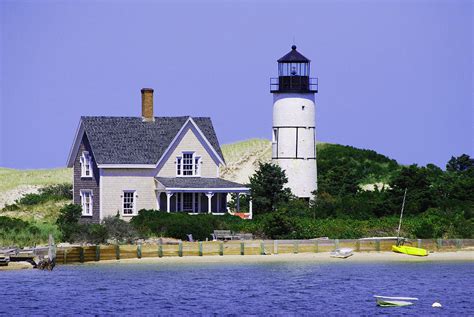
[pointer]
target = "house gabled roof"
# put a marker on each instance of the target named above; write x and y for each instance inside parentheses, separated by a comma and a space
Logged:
(129, 140)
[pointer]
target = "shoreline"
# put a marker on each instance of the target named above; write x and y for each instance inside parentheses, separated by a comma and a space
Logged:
(322, 258)
(308, 258)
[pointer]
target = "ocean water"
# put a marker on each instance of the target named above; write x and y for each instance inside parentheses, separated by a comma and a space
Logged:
(289, 289)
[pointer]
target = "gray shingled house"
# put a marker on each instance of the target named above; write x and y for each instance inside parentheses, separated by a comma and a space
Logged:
(124, 164)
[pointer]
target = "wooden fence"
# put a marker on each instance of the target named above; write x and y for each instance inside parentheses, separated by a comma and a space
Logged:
(247, 247)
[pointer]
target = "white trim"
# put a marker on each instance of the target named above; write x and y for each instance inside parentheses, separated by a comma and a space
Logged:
(90, 192)
(101, 189)
(85, 158)
(134, 211)
(188, 189)
(179, 163)
(171, 145)
(196, 166)
(126, 166)
(207, 141)
(76, 144)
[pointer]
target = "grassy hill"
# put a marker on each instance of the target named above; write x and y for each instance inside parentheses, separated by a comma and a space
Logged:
(242, 160)
(11, 178)
(369, 167)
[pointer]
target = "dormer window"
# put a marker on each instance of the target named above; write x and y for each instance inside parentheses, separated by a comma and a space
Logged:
(188, 165)
(86, 163)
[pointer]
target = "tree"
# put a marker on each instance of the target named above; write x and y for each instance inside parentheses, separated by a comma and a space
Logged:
(267, 187)
(419, 192)
(460, 164)
(68, 220)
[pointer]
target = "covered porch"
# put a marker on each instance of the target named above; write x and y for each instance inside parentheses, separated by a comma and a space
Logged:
(196, 195)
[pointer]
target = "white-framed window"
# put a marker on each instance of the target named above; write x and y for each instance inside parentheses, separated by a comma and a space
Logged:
(86, 202)
(189, 164)
(86, 164)
(178, 165)
(129, 202)
(275, 135)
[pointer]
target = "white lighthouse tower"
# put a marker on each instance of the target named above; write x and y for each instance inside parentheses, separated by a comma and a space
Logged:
(294, 133)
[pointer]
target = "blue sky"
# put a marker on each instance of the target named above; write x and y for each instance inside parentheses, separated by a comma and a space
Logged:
(395, 76)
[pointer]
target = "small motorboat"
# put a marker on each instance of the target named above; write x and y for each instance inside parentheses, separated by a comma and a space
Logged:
(342, 253)
(386, 301)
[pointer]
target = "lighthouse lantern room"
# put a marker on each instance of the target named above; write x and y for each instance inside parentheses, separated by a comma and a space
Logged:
(294, 123)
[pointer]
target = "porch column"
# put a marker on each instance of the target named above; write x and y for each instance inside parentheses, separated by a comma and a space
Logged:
(168, 201)
(228, 198)
(209, 202)
(250, 209)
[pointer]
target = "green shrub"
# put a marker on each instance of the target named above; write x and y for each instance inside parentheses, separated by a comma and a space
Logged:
(278, 225)
(95, 233)
(12, 207)
(57, 192)
(178, 225)
(31, 199)
(51, 192)
(119, 229)
(68, 221)
(17, 232)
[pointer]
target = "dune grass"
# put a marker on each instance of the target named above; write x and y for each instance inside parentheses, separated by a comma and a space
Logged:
(12, 178)
(46, 212)
(233, 152)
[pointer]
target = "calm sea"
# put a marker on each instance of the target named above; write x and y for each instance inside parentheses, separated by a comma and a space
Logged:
(341, 289)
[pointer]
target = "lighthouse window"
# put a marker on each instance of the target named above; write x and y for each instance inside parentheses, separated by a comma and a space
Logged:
(275, 135)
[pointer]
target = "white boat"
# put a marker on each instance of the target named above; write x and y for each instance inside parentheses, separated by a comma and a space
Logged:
(342, 253)
(386, 301)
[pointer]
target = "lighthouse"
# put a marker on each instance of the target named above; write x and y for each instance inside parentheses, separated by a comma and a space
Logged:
(294, 123)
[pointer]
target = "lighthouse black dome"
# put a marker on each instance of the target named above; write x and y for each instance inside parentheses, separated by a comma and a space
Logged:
(293, 75)
(293, 57)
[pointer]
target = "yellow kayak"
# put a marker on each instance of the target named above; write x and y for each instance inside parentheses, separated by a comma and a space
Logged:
(409, 250)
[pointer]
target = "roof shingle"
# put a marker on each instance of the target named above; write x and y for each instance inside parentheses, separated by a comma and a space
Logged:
(197, 182)
(129, 140)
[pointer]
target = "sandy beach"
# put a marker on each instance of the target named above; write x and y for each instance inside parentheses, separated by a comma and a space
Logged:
(323, 258)
(358, 257)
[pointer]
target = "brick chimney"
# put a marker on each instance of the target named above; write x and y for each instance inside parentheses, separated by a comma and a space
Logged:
(147, 105)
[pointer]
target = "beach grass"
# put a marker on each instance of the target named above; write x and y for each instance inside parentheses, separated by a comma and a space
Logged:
(12, 178)
(233, 152)
(31, 234)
